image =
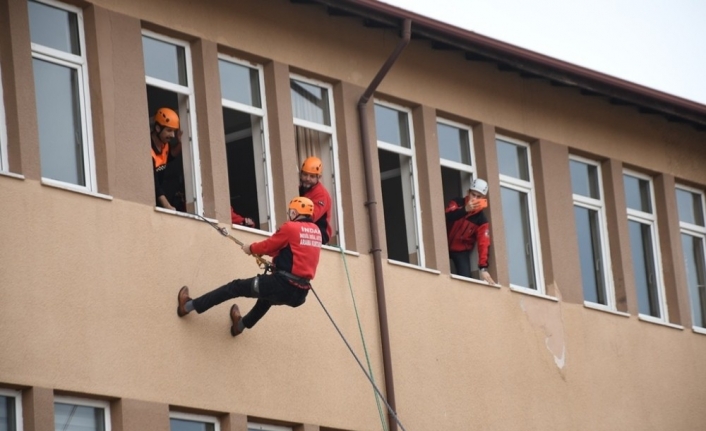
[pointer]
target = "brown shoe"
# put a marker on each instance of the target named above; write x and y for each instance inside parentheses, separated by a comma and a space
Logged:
(182, 299)
(235, 318)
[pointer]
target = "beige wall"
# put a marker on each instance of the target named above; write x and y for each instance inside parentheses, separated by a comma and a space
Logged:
(89, 284)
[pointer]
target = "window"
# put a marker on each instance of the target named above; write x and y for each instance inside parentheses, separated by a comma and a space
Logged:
(315, 134)
(519, 214)
(263, 427)
(457, 165)
(399, 184)
(61, 89)
(190, 422)
(247, 144)
(10, 410)
(589, 213)
(169, 84)
(693, 236)
(4, 164)
(72, 414)
(642, 224)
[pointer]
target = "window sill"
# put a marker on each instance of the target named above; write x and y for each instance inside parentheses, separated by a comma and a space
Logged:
(75, 189)
(531, 292)
(242, 228)
(12, 175)
(409, 265)
(656, 321)
(699, 330)
(603, 308)
(338, 249)
(474, 280)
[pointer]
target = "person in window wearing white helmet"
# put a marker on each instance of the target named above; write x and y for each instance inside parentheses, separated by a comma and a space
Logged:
(466, 226)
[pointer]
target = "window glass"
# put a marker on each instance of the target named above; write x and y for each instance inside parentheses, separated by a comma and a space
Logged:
(392, 126)
(637, 193)
(59, 118)
(189, 425)
(4, 164)
(310, 102)
(54, 28)
(690, 207)
(695, 260)
(518, 237)
(519, 214)
(453, 143)
(512, 160)
(72, 417)
(165, 61)
(641, 243)
(247, 145)
(315, 136)
(589, 241)
(240, 83)
(177, 176)
(63, 105)
(592, 237)
(693, 236)
(8, 419)
(584, 179)
(397, 166)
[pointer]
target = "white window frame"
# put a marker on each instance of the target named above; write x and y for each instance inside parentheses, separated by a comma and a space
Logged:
(528, 188)
(17, 395)
(470, 169)
(87, 403)
(265, 427)
(4, 161)
(80, 64)
(695, 230)
(266, 206)
(415, 230)
(196, 418)
(598, 205)
(330, 130)
(462, 167)
(650, 220)
(193, 163)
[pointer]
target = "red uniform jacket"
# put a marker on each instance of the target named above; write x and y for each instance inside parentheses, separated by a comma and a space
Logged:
(322, 208)
(464, 230)
(295, 248)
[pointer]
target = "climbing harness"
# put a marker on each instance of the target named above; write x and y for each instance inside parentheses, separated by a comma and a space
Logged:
(263, 263)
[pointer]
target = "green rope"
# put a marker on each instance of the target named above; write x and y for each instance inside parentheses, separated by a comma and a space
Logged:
(362, 337)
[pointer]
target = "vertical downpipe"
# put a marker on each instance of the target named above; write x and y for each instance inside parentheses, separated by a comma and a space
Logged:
(372, 215)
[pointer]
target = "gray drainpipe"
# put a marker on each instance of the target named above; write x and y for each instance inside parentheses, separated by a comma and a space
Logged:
(372, 214)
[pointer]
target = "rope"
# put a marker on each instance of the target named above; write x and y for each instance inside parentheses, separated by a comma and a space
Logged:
(392, 412)
(362, 337)
(261, 261)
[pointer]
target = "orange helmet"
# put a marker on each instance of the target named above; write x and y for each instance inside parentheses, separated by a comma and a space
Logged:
(167, 118)
(302, 205)
(313, 165)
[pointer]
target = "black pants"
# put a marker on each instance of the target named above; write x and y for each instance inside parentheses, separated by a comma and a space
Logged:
(462, 262)
(269, 289)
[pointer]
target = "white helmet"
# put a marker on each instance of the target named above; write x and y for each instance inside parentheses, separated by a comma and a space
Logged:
(480, 186)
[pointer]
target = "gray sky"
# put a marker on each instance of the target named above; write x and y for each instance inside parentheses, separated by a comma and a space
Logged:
(660, 44)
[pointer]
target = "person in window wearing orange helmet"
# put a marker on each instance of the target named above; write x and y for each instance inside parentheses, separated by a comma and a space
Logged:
(295, 249)
(466, 226)
(167, 175)
(311, 187)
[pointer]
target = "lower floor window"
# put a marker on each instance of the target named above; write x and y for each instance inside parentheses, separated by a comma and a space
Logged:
(81, 415)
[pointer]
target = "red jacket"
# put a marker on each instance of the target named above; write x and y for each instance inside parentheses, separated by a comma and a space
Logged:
(295, 248)
(465, 230)
(322, 208)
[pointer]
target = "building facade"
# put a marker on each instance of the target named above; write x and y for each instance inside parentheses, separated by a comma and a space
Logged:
(596, 208)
